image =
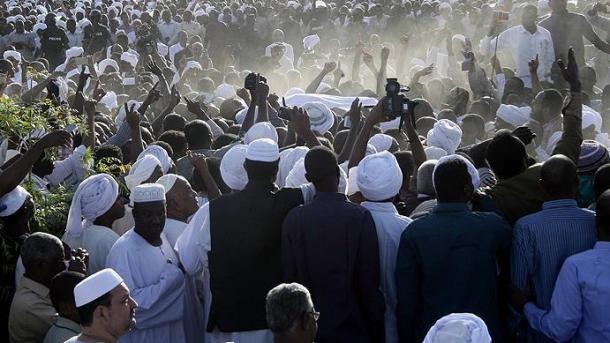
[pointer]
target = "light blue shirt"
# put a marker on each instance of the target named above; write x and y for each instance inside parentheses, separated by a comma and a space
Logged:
(581, 300)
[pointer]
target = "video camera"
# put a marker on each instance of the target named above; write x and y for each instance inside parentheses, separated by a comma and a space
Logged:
(397, 105)
(250, 81)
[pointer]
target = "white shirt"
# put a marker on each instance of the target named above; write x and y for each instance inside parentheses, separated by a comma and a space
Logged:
(193, 28)
(389, 225)
(173, 229)
(75, 39)
(156, 284)
(97, 240)
(168, 31)
(523, 47)
(288, 52)
(174, 49)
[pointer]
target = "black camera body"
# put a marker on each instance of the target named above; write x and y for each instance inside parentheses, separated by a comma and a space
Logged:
(397, 105)
(250, 82)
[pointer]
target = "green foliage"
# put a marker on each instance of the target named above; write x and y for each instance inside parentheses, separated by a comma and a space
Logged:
(51, 214)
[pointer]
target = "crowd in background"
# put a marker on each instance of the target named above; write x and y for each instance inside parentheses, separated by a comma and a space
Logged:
(300, 171)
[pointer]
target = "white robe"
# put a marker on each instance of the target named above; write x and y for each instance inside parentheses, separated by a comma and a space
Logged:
(173, 229)
(389, 226)
(97, 240)
(193, 247)
(156, 283)
(194, 321)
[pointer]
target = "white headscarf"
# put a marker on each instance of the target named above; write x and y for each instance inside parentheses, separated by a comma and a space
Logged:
(446, 135)
(379, 176)
(168, 181)
(474, 174)
(225, 91)
(513, 115)
(381, 142)
(434, 153)
(591, 117)
(288, 158)
(141, 171)
(232, 168)
(261, 130)
(320, 116)
(160, 154)
(107, 63)
(93, 197)
(458, 328)
(12, 201)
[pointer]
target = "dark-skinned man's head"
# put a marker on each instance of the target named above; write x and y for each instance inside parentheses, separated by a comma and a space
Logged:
(559, 178)
(149, 211)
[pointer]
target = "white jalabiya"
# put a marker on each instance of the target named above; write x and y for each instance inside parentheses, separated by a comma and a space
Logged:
(193, 247)
(156, 284)
(458, 327)
(195, 287)
(97, 240)
(389, 225)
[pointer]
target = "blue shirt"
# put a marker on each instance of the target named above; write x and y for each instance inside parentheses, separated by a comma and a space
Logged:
(541, 243)
(581, 300)
(448, 263)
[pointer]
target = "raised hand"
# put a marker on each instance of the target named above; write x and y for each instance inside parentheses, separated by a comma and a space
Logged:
(533, 65)
(570, 72)
(154, 68)
(300, 120)
(385, 53)
(98, 92)
(196, 108)
(174, 96)
(329, 66)
(355, 111)
(153, 95)
(197, 160)
(132, 117)
(83, 76)
(338, 73)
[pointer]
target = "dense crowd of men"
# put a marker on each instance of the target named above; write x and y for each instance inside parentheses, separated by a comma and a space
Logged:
(261, 185)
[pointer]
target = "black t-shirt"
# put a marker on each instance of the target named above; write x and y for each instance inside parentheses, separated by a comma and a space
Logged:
(96, 38)
(54, 43)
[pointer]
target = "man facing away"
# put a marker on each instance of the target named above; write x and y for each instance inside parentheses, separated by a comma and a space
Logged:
(453, 259)
(330, 246)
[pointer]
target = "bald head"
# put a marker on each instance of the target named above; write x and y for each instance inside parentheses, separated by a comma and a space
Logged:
(559, 178)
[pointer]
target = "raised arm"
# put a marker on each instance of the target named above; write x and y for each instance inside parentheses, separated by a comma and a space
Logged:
(132, 118)
(385, 54)
(376, 116)
(571, 139)
(313, 86)
(355, 116)
(201, 167)
(593, 37)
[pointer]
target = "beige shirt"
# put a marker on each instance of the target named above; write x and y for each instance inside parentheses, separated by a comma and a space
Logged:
(62, 330)
(31, 314)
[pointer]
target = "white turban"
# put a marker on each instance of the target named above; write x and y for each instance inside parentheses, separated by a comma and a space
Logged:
(381, 142)
(513, 115)
(225, 91)
(12, 54)
(446, 135)
(379, 176)
(458, 327)
(288, 158)
(110, 100)
(93, 197)
(120, 117)
(591, 117)
(168, 181)
(263, 150)
(320, 116)
(434, 153)
(191, 65)
(74, 52)
(232, 167)
(12, 201)
(39, 26)
(241, 115)
(370, 149)
(296, 176)
(160, 154)
(107, 63)
(310, 42)
(141, 171)
(474, 174)
(293, 91)
(261, 130)
(130, 58)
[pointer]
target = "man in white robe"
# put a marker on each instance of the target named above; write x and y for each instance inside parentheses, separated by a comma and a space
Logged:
(181, 206)
(97, 200)
(379, 180)
(151, 270)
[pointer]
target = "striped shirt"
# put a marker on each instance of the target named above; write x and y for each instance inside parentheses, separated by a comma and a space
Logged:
(543, 240)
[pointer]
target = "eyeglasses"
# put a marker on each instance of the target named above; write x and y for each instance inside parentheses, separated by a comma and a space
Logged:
(314, 314)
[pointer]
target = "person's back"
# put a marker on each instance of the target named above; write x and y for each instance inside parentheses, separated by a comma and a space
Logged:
(448, 260)
(330, 246)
